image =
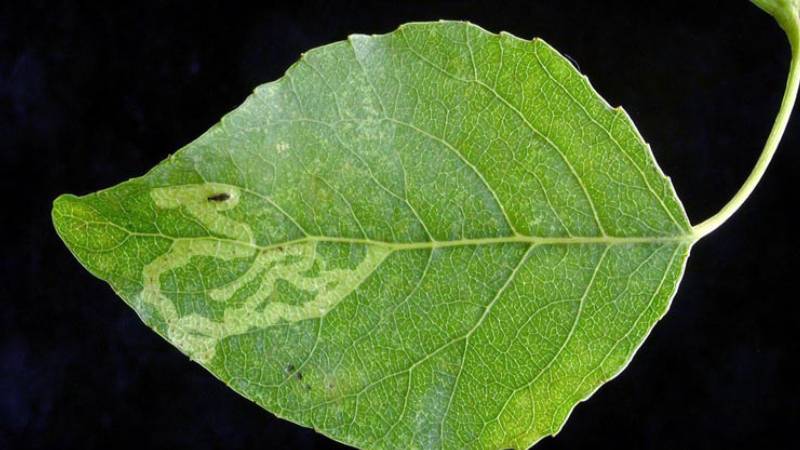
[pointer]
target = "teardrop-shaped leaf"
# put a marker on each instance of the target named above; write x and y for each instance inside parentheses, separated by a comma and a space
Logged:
(434, 238)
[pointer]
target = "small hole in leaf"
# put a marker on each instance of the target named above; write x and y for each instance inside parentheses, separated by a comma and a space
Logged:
(221, 197)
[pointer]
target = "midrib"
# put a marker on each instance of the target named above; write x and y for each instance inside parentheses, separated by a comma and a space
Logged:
(516, 239)
(520, 239)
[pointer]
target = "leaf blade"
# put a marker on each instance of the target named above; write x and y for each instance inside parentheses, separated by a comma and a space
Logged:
(406, 188)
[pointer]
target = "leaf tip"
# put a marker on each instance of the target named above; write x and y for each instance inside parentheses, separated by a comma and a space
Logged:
(84, 231)
(60, 209)
(71, 222)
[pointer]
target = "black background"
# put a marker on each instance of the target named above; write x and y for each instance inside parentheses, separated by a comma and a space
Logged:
(91, 96)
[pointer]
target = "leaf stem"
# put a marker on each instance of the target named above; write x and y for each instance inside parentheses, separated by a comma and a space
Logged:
(786, 15)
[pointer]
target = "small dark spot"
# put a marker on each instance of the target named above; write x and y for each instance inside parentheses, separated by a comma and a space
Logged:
(221, 197)
(290, 370)
(307, 387)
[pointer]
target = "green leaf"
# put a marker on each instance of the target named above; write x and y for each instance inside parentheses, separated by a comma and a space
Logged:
(434, 238)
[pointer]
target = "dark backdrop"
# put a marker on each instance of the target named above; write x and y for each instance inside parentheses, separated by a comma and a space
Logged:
(91, 96)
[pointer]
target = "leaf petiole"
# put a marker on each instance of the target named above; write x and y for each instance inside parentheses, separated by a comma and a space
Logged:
(786, 13)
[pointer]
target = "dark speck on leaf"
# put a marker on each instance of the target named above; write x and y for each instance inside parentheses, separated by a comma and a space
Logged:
(290, 369)
(221, 197)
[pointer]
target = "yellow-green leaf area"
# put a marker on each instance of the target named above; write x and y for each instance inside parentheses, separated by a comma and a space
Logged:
(435, 238)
